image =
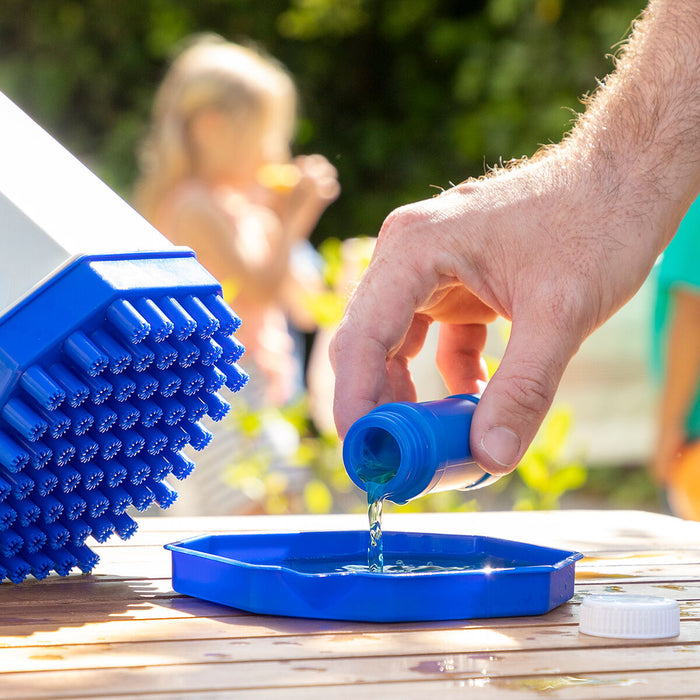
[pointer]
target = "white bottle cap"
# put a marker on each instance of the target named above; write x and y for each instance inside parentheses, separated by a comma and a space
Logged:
(629, 616)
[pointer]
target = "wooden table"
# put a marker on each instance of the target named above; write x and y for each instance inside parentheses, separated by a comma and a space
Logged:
(122, 632)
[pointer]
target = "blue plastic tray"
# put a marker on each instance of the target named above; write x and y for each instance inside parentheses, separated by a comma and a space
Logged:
(300, 574)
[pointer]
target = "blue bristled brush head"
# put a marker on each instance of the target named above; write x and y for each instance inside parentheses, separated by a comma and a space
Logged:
(113, 346)
(93, 418)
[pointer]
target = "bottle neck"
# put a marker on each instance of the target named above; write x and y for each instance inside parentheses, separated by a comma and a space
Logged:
(390, 453)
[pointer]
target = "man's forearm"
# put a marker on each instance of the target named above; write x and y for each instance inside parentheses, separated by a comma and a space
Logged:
(641, 131)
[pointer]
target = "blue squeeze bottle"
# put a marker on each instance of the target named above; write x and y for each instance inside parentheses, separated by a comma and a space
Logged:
(400, 451)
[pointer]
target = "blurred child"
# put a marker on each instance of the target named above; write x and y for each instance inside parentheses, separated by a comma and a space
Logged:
(218, 176)
(677, 343)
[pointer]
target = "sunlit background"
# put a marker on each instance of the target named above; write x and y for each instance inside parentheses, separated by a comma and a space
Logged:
(403, 98)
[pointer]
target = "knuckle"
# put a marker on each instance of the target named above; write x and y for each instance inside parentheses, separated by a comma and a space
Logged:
(530, 392)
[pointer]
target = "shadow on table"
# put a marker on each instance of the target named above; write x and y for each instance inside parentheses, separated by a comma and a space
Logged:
(73, 601)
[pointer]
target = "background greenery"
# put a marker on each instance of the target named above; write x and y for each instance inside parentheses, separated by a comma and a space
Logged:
(401, 95)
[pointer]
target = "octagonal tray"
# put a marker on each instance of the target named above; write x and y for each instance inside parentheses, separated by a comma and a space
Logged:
(324, 575)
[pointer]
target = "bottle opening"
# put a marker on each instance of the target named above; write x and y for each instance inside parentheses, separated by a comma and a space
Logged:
(380, 457)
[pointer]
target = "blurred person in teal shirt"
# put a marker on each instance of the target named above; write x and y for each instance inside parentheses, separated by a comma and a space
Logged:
(677, 361)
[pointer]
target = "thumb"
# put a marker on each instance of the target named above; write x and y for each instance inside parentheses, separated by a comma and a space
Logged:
(518, 396)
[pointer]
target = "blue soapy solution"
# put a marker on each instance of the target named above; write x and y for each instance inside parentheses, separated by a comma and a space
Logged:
(401, 451)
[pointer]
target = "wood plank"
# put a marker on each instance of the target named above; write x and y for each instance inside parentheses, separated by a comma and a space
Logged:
(265, 643)
(16, 620)
(503, 671)
(472, 644)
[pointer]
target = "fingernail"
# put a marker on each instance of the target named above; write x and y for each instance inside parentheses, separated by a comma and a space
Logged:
(502, 445)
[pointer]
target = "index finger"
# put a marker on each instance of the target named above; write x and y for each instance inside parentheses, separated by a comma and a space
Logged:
(375, 325)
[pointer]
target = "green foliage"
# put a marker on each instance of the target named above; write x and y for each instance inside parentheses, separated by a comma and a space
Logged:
(544, 473)
(399, 95)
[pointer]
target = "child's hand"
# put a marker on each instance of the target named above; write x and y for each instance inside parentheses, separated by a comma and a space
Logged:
(317, 188)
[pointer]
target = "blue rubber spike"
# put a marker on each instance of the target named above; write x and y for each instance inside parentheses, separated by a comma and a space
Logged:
(196, 408)
(119, 500)
(38, 384)
(85, 354)
(184, 324)
(187, 353)
(110, 445)
(86, 448)
(143, 357)
(78, 530)
(63, 451)
(5, 488)
(8, 515)
(127, 415)
(217, 408)
(165, 354)
(34, 538)
(161, 325)
(56, 535)
(68, 477)
(200, 437)
(214, 379)
(100, 389)
(45, 481)
(210, 352)
(124, 387)
(75, 389)
(58, 422)
(86, 558)
(10, 543)
(141, 495)
(160, 468)
(25, 421)
(156, 441)
(12, 456)
(40, 454)
(102, 527)
(81, 420)
(40, 564)
(92, 476)
(63, 561)
(236, 378)
(124, 526)
(51, 508)
(74, 506)
(128, 322)
(115, 472)
(137, 470)
(22, 485)
(105, 418)
(119, 357)
(17, 568)
(232, 349)
(170, 383)
(151, 412)
(228, 319)
(97, 503)
(26, 509)
(132, 442)
(183, 466)
(173, 410)
(207, 323)
(192, 381)
(146, 384)
(165, 494)
(179, 438)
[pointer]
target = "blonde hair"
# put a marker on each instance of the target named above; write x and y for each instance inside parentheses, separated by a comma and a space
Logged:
(210, 73)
